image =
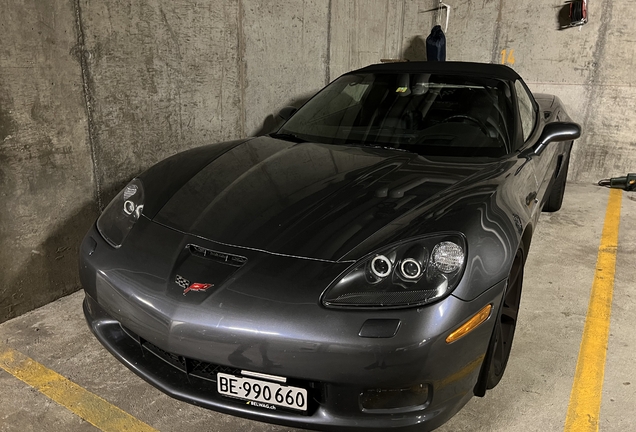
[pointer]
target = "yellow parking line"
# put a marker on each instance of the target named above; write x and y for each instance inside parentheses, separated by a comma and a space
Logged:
(85, 404)
(585, 399)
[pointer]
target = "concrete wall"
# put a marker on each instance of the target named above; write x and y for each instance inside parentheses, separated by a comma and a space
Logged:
(163, 76)
(46, 186)
(91, 93)
(590, 68)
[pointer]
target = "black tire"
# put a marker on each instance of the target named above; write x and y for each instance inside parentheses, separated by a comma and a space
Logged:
(498, 352)
(555, 200)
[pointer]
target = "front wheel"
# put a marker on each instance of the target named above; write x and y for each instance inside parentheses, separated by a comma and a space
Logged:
(498, 351)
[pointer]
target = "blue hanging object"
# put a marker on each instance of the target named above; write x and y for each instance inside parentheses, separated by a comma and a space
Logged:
(436, 45)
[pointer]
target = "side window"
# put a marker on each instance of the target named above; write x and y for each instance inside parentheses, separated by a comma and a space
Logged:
(526, 110)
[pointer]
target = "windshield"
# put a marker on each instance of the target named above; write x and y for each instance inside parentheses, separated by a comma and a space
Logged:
(441, 115)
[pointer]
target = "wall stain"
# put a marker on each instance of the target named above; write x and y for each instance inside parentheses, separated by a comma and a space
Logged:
(497, 33)
(42, 113)
(242, 67)
(82, 55)
(328, 53)
(8, 126)
(594, 156)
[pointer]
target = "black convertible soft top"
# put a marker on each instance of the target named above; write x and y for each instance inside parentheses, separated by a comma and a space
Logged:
(452, 68)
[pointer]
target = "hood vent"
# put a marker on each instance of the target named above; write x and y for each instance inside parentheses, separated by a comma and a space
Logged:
(220, 257)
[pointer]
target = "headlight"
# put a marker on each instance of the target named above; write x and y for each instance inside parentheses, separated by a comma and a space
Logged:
(120, 215)
(409, 273)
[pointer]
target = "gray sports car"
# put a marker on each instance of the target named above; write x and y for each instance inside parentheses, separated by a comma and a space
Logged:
(361, 268)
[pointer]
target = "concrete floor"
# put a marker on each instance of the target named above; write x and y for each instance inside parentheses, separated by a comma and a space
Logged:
(532, 396)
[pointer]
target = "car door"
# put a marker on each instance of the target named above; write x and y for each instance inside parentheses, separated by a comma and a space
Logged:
(542, 164)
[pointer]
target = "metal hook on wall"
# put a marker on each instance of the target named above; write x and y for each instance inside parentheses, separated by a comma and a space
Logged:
(439, 13)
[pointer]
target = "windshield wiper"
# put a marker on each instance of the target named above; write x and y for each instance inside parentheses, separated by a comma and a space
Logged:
(288, 137)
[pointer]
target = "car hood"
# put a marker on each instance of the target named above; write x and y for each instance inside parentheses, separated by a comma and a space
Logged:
(307, 200)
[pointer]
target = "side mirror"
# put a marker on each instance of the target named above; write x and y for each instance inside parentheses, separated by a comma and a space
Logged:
(287, 112)
(557, 131)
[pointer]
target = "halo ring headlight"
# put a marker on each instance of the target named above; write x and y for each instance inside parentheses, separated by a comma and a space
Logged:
(381, 266)
(410, 269)
(129, 207)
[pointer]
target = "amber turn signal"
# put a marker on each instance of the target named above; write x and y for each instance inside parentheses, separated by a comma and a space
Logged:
(470, 325)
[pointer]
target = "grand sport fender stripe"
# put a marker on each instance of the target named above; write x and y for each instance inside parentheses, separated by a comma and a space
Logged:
(80, 401)
(585, 400)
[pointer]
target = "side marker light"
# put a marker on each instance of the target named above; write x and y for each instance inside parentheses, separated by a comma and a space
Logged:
(470, 325)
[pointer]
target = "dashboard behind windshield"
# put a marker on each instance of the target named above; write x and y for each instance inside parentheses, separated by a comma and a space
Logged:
(429, 114)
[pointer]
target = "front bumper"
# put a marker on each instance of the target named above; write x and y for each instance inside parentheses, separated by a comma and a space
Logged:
(316, 348)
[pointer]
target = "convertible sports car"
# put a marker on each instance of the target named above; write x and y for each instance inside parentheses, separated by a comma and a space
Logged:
(361, 268)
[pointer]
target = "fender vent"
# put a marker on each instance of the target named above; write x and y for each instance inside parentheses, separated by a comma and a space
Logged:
(221, 257)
